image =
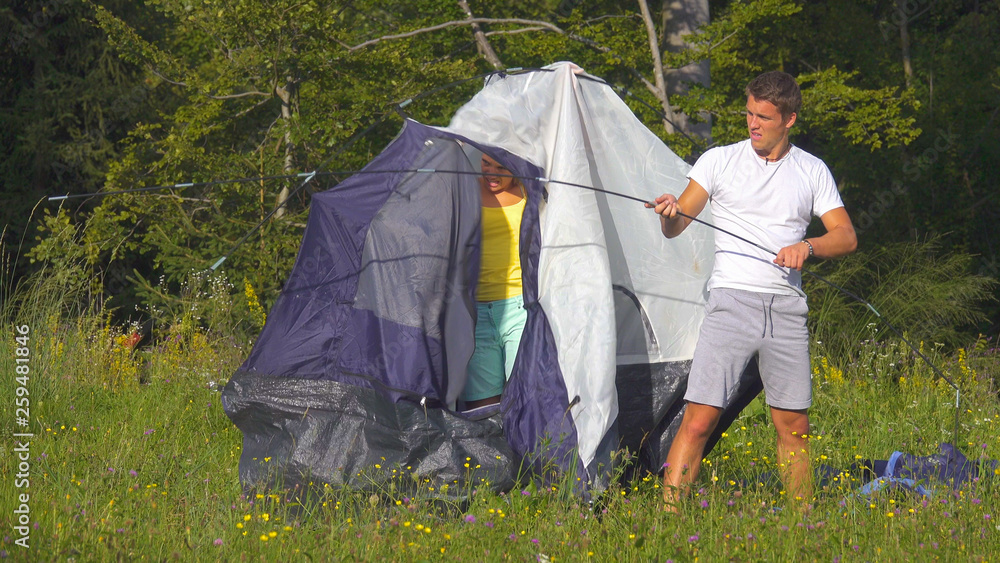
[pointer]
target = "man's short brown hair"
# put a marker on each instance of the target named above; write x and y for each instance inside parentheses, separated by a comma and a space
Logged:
(780, 89)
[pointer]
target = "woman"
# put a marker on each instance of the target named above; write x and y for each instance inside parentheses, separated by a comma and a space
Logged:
(500, 306)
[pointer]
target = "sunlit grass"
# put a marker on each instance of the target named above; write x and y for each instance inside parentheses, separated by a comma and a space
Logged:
(133, 458)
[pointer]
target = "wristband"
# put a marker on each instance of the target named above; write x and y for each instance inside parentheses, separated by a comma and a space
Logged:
(809, 244)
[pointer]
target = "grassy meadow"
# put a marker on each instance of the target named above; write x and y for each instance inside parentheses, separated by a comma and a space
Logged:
(132, 458)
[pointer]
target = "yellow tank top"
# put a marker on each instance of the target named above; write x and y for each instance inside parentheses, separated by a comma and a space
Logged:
(500, 268)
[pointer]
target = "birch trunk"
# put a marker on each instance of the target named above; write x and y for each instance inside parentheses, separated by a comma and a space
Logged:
(288, 95)
(485, 49)
(680, 18)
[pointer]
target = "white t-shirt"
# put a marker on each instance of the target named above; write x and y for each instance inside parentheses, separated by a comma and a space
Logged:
(770, 203)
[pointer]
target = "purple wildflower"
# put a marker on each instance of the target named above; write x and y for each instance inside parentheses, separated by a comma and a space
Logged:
(218, 541)
(470, 518)
(693, 538)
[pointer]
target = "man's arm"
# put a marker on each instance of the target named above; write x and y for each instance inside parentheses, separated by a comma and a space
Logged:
(691, 203)
(839, 240)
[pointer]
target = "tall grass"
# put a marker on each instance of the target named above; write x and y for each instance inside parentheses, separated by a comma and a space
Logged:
(133, 458)
(150, 472)
(926, 293)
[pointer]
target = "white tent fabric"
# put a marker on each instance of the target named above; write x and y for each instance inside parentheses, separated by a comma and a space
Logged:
(595, 256)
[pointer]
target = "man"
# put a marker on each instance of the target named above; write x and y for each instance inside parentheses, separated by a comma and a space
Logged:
(765, 190)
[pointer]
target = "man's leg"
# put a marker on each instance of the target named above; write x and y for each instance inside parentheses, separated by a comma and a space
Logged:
(792, 427)
(686, 451)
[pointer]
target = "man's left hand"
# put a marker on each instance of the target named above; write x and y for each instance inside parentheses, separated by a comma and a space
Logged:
(793, 256)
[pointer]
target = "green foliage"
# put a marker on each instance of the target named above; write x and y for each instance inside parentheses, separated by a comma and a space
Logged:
(930, 295)
(66, 100)
(257, 90)
(871, 118)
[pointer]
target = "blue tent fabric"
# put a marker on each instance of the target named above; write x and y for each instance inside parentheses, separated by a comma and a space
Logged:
(381, 301)
(408, 239)
(924, 475)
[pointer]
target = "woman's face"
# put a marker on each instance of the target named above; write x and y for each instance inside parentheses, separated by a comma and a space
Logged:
(496, 178)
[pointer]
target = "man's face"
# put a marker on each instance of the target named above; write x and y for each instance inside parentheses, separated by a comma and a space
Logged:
(767, 128)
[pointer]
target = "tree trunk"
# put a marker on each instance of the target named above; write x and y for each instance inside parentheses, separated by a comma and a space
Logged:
(904, 40)
(288, 94)
(485, 49)
(659, 86)
(680, 18)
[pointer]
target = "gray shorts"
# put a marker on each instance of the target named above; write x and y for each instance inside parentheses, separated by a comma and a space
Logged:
(739, 324)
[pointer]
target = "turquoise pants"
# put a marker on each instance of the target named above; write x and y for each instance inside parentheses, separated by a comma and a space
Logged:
(499, 325)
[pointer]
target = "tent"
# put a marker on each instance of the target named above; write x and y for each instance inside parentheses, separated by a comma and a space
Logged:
(355, 375)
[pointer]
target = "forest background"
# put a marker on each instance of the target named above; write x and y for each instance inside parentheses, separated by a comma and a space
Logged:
(901, 100)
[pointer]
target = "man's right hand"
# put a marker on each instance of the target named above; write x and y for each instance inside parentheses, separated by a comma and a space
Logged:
(665, 206)
(670, 208)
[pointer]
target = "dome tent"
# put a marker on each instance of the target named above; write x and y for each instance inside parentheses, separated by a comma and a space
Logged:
(355, 376)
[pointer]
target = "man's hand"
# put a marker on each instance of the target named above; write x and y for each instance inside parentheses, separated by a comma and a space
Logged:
(669, 208)
(793, 256)
(839, 240)
(665, 206)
